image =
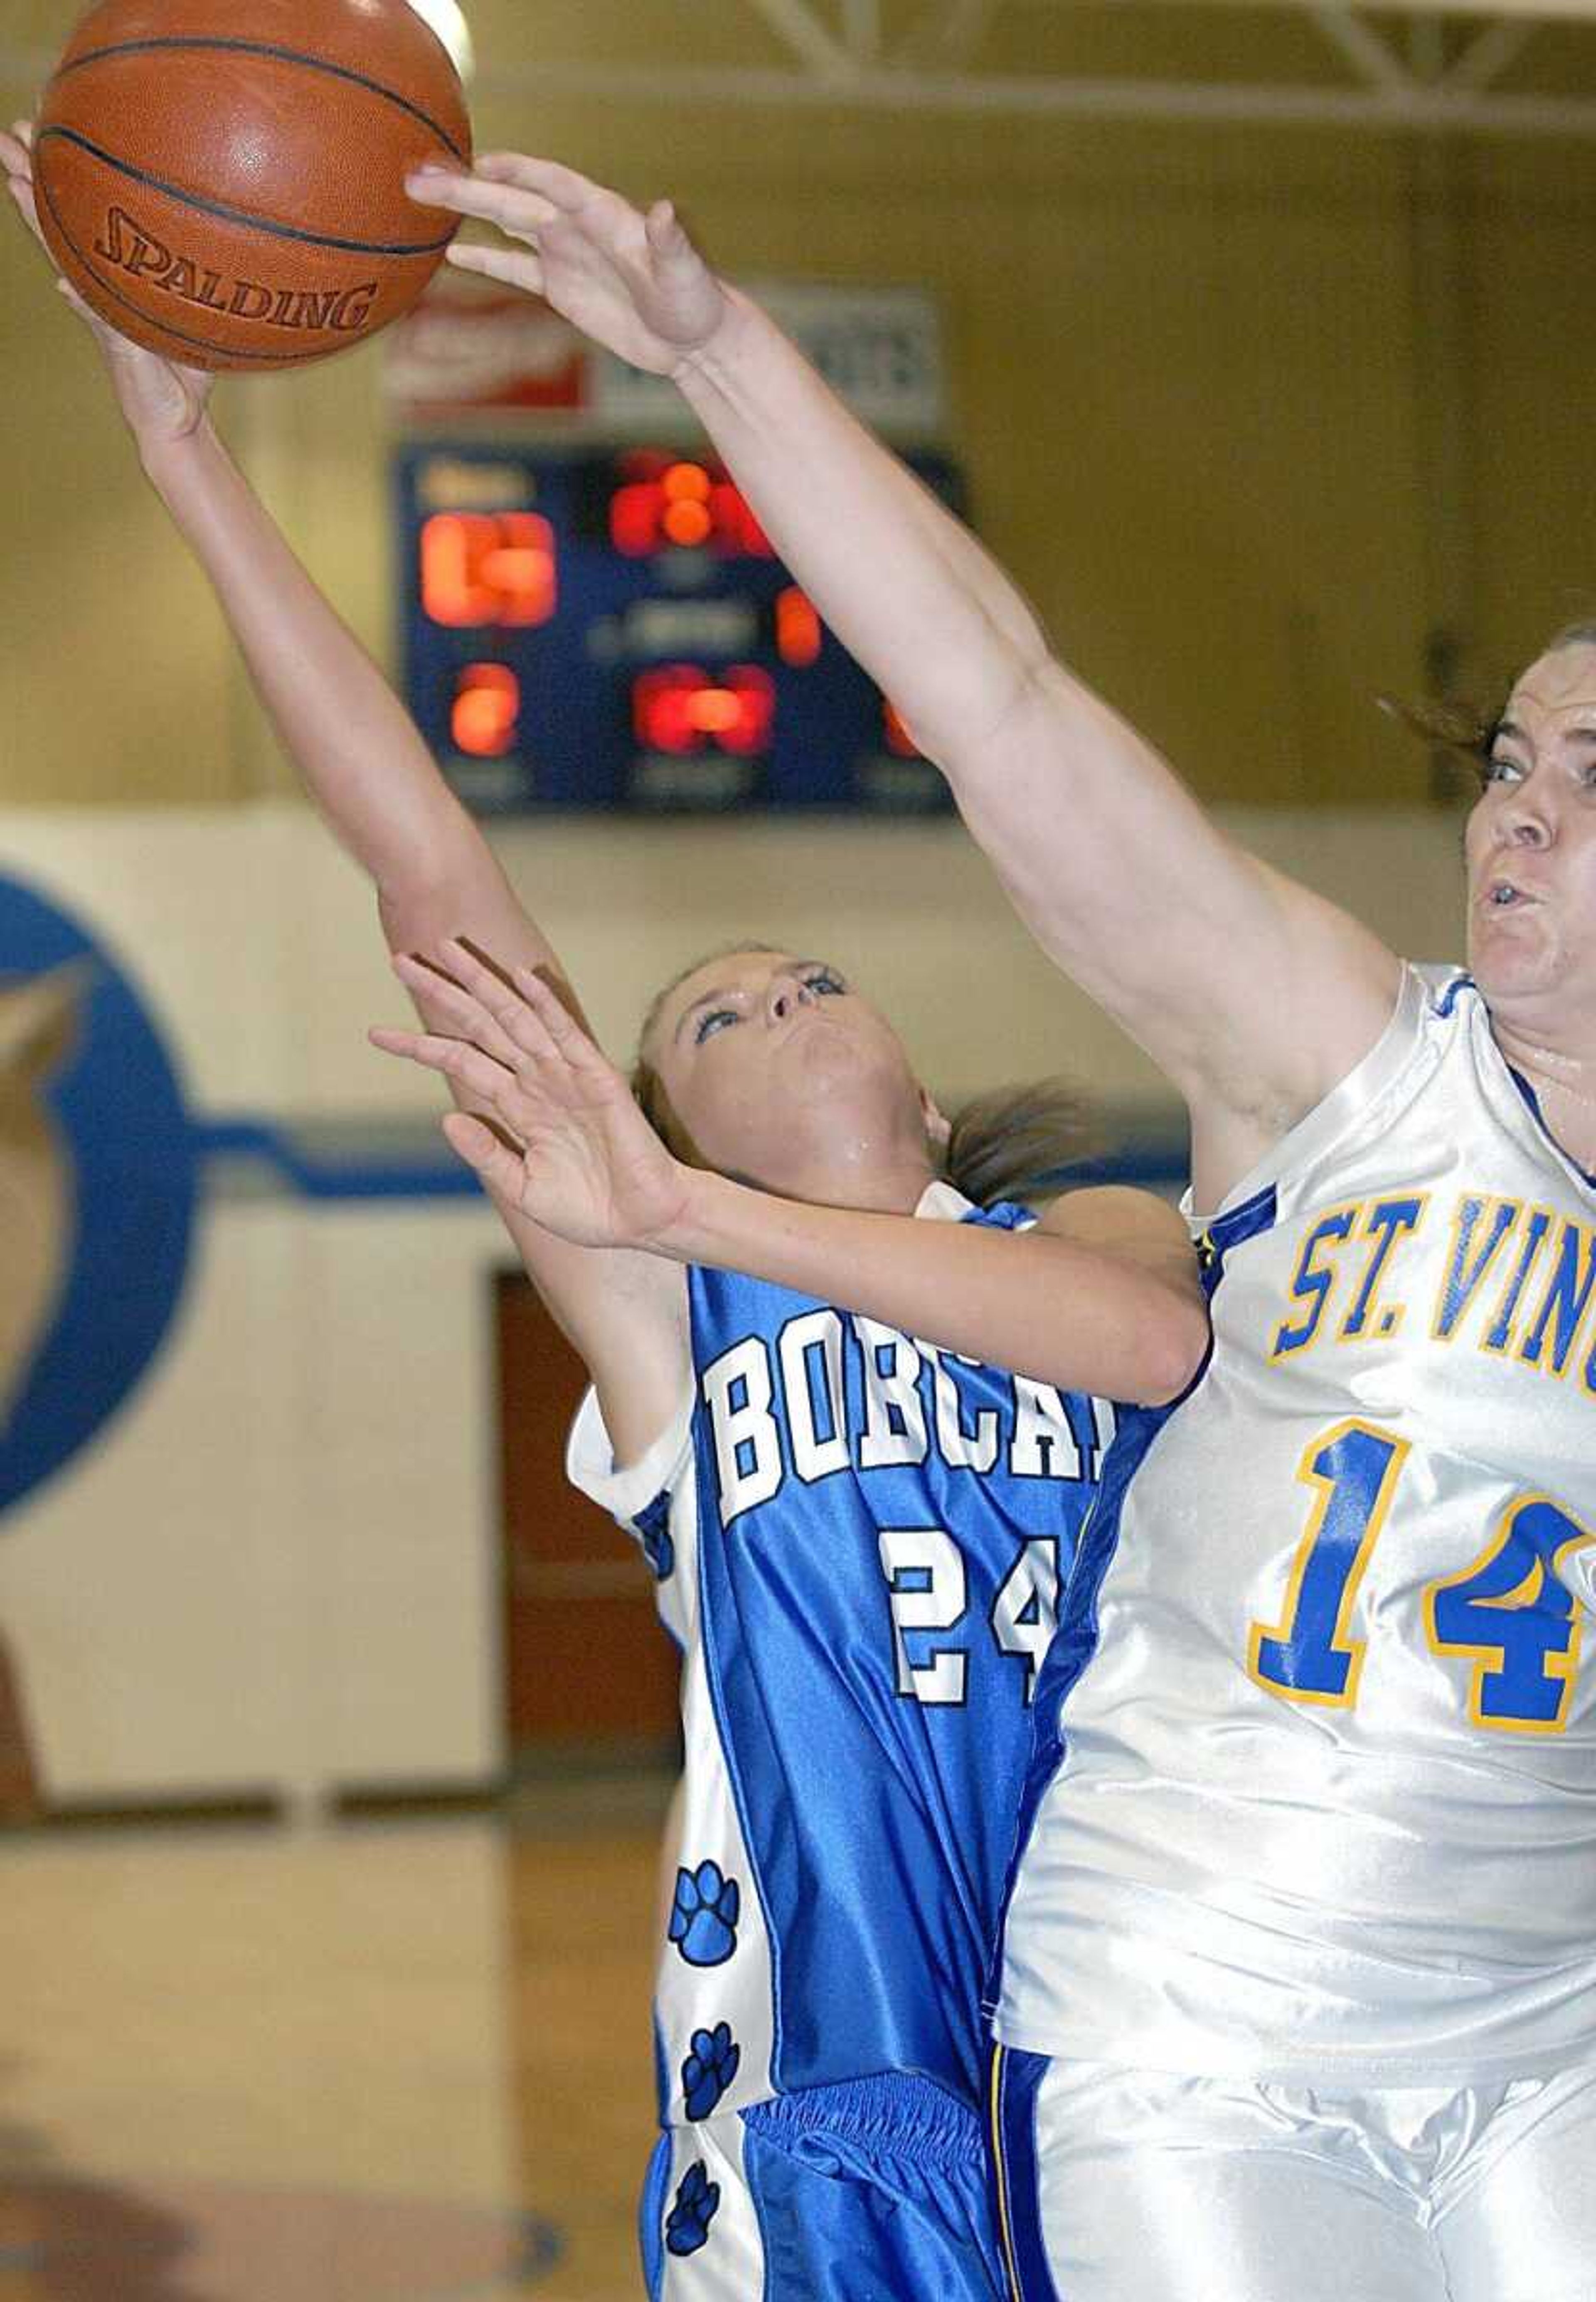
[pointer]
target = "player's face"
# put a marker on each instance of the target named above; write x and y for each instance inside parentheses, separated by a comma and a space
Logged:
(1531, 844)
(771, 1061)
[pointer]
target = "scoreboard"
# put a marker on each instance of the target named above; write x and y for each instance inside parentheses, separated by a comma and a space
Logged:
(610, 628)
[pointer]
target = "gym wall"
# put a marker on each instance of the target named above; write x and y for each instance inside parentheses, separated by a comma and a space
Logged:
(1251, 415)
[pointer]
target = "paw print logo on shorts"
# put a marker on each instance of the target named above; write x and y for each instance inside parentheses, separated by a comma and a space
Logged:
(710, 2069)
(693, 2210)
(654, 1532)
(703, 1919)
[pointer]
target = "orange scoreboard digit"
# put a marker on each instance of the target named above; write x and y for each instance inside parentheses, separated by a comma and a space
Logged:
(604, 628)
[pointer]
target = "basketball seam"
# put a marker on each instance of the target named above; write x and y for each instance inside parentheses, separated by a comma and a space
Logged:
(283, 55)
(149, 319)
(226, 214)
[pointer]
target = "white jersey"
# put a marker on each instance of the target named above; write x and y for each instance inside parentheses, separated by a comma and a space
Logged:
(1316, 1790)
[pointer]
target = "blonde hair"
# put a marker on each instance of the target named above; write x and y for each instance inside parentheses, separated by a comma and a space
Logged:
(1002, 1145)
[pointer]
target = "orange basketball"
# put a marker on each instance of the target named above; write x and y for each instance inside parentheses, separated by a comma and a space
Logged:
(226, 184)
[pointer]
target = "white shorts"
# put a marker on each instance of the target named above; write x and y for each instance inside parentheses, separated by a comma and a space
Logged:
(1119, 2185)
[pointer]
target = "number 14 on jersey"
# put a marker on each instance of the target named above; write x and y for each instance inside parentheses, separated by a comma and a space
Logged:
(1508, 1614)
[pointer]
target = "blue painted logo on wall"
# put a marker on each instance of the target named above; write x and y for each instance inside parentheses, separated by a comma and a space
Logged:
(98, 1187)
(101, 1168)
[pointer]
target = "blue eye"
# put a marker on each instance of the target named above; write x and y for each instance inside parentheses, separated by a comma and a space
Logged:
(708, 1025)
(825, 983)
(1499, 770)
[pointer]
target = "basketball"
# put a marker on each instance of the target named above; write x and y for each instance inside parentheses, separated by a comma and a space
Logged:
(226, 186)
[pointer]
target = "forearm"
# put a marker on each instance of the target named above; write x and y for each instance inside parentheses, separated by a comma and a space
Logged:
(1039, 1305)
(361, 757)
(901, 580)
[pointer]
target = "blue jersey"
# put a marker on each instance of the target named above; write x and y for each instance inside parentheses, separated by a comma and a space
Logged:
(858, 1542)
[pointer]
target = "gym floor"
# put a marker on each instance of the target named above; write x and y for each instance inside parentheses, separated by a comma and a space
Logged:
(395, 2061)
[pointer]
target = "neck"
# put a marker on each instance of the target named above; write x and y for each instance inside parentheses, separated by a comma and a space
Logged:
(1563, 1075)
(870, 1154)
(873, 1185)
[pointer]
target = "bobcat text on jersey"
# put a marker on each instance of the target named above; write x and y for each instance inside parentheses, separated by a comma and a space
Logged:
(796, 1390)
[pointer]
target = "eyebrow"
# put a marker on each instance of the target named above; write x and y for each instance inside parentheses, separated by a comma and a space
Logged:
(705, 999)
(729, 991)
(1515, 733)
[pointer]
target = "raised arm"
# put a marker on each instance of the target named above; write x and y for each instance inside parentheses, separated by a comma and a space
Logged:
(363, 764)
(1253, 993)
(1102, 1295)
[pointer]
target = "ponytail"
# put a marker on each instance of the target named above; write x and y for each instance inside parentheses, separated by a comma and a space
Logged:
(1007, 1144)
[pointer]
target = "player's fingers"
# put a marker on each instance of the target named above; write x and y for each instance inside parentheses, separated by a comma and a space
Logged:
(668, 234)
(672, 246)
(69, 295)
(473, 969)
(456, 1059)
(481, 980)
(563, 186)
(22, 192)
(20, 188)
(504, 1002)
(506, 264)
(511, 209)
(457, 1005)
(487, 1082)
(431, 1049)
(565, 1035)
(531, 1034)
(419, 969)
(500, 1167)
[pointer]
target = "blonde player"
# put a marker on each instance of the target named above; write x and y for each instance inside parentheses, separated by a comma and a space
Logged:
(849, 1418)
(1299, 1995)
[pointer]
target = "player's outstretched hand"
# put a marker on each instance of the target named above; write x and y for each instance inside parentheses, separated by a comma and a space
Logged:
(585, 1162)
(634, 283)
(161, 402)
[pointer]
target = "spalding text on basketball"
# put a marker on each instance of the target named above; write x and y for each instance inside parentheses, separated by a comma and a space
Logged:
(136, 250)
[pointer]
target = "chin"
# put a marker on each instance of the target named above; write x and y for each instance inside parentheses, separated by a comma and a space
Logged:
(1510, 949)
(823, 1054)
(840, 1099)
(1507, 975)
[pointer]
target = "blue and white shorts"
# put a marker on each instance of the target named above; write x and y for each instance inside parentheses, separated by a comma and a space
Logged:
(876, 2191)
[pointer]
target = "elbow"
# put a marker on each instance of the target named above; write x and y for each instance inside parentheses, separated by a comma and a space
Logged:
(1170, 1352)
(978, 734)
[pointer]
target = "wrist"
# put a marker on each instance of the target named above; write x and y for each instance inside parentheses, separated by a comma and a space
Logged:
(682, 1236)
(168, 459)
(706, 368)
